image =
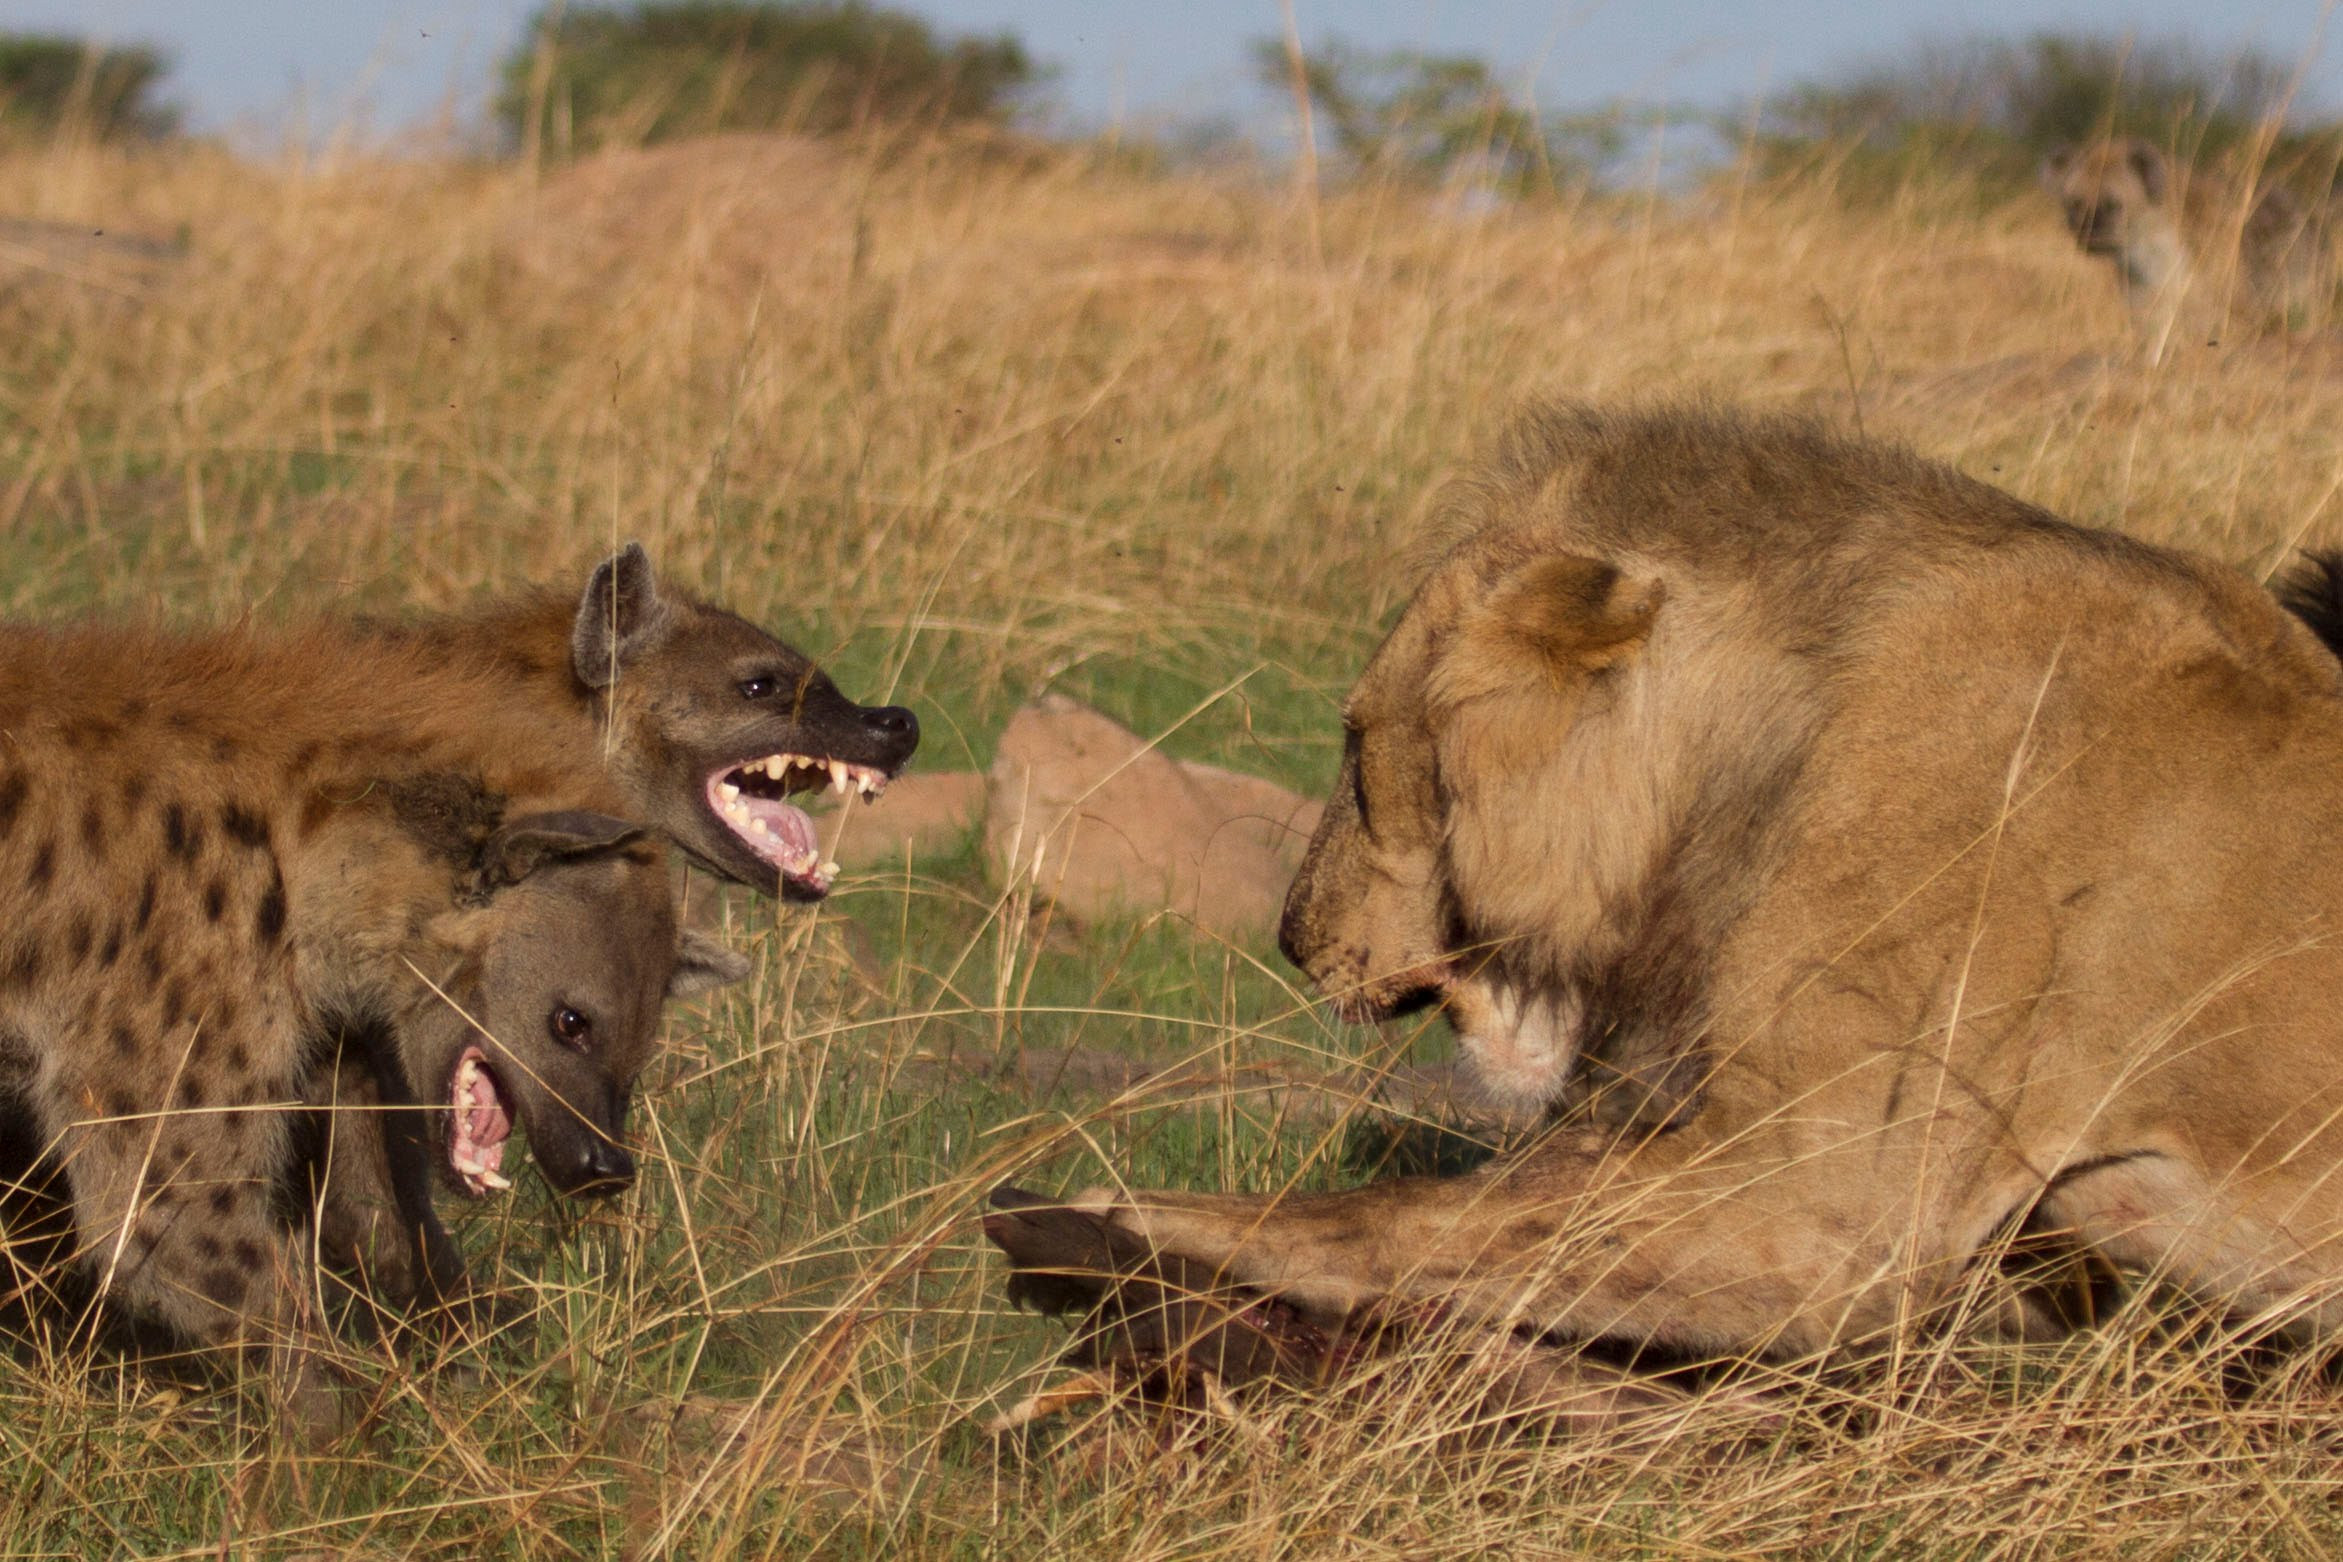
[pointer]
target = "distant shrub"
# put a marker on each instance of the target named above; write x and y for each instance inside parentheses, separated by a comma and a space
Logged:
(665, 69)
(50, 82)
(1993, 107)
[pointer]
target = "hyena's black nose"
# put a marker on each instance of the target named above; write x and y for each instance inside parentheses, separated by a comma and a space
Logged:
(600, 1170)
(895, 727)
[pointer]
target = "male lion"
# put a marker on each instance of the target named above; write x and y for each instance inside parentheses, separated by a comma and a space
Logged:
(1890, 863)
(2195, 252)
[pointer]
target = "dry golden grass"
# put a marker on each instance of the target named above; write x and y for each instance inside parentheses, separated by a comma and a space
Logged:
(969, 426)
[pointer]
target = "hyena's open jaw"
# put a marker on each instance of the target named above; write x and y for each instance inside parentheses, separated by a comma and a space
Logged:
(752, 800)
(480, 1120)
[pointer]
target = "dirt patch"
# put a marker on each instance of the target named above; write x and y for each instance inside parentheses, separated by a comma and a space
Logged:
(1097, 822)
(918, 818)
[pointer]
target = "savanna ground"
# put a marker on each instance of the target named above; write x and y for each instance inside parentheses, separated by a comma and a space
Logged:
(969, 425)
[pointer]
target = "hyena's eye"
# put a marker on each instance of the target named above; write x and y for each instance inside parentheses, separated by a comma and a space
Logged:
(569, 1027)
(760, 687)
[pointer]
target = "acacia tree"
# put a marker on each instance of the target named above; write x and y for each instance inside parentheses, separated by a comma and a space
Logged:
(1408, 114)
(664, 69)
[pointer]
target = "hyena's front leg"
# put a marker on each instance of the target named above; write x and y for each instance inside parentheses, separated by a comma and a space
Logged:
(1672, 1241)
(372, 1192)
(175, 1184)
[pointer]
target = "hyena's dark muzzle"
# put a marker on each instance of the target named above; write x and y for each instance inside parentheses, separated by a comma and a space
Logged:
(577, 1132)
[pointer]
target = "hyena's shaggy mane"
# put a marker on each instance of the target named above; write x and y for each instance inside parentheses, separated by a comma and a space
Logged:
(315, 700)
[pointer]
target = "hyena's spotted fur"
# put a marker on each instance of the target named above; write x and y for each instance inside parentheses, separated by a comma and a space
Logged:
(209, 864)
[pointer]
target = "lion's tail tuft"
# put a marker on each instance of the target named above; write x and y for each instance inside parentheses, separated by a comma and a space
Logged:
(2313, 591)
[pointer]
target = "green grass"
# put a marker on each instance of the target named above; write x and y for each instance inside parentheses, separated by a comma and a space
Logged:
(970, 432)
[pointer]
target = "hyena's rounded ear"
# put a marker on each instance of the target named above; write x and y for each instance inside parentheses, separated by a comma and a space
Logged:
(2150, 166)
(522, 846)
(702, 964)
(619, 614)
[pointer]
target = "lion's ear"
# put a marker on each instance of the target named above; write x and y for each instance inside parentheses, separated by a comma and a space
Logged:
(1575, 612)
(1545, 625)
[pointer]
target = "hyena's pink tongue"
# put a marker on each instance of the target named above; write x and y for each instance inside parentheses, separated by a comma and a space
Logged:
(482, 1124)
(781, 831)
(753, 808)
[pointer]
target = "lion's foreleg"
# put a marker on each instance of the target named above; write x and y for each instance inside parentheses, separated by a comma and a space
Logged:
(1651, 1245)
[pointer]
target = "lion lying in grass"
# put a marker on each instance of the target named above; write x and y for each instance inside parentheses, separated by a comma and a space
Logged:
(1869, 864)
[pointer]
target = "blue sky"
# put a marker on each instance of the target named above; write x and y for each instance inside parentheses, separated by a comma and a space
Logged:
(319, 64)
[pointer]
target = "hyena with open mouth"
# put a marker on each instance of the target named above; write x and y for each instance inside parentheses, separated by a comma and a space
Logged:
(705, 727)
(706, 724)
(222, 854)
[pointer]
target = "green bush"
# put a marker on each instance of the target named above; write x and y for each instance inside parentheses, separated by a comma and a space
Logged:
(666, 69)
(1993, 108)
(50, 82)
(1413, 115)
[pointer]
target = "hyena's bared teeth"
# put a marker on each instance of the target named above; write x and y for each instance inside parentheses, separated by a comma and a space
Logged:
(841, 776)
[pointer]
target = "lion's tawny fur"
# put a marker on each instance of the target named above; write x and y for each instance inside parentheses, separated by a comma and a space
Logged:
(1928, 866)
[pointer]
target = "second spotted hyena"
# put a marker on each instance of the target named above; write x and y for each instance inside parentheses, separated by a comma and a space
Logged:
(705, 724)
(217, 850)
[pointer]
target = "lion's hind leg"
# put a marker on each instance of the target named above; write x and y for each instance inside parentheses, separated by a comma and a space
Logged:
(2263, 1247)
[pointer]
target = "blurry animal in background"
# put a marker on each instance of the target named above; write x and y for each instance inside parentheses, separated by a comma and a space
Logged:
(2197, 252)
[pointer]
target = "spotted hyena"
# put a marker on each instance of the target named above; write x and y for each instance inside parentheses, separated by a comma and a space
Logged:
(2196, 251)
(703, 724)
(219, 855)
(706, 724)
